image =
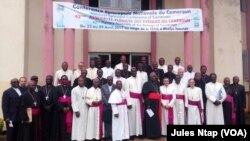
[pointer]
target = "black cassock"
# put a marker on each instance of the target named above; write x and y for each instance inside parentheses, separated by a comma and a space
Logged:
(152, 125)
(227, 106)
(59, 125)
(48, 98)
(239, 102)
(30, 131)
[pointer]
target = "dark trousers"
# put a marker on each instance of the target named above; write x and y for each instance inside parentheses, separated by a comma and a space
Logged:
(12, 132)
(108, 130)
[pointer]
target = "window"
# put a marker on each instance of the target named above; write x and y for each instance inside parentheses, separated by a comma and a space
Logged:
(121, 4)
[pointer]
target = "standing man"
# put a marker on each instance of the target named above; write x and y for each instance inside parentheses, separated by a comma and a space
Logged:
(30, 115)
(34, 78)
(61, 72)
(92, 70)
(94, 100)
(107, 70)
(216, 94)
(178, 91)
(142, 76)
(162, 65)
(78, 71)
(10, 106)
(62, 117)
(98, 63)
(194, 104)
(240, 100)
(169, 74)
(125, 73)
(120, 127)
(152, 103)
(101, 79)
(158, 72)
(123, 60)
(133, 90)
(189, 74)
(177, 65)
(87, 81)
(147, 68)
(23, 84)
(80, 109)
(228, 104)
(119, 77)
(48, 101)
(107, 89)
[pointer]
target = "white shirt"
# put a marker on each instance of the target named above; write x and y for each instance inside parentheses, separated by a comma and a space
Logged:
(142, 76)
(176, 67)
(92, 73)
(186, 76)
(120, 66)
(17, 91)
(163, 67)
(107, 72)
(76, 74)
(60, 73)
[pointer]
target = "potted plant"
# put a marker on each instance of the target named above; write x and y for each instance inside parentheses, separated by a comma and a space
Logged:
(1, 125)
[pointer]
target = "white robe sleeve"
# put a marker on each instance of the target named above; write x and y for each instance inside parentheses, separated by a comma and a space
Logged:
(127, 91)
(223, 94)
(201, 98)
(74, 101)
(89, 98)
(114, 109)
(208, 94)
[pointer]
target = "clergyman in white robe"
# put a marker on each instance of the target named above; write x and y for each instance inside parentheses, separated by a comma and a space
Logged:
(133, 90)
(194, 105)
(120, 127)
(94, 128)
(79, 126)
(168, 100)
(214, 113)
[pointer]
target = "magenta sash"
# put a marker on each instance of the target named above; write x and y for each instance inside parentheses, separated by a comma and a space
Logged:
(180, 96)
(35, 111)
(100, 106)
(124, 102)
(139, 97)
(60, 82)
(68, 116)
(198, 104)
(230, 99)
(170, 110)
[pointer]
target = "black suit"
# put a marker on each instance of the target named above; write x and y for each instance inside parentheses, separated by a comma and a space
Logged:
(107, 113)
(88, 83)
(10, 107)
(239, 102)
(170, 76)
(126, 74)
(102, 81)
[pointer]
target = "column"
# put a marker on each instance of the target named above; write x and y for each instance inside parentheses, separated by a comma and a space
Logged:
(188, 41)
(204, 36)
(69, 45)
(48, 49)
(86, 42)
(248, 32)
(153, 35)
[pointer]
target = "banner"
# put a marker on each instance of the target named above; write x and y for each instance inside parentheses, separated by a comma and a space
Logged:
(75, 16)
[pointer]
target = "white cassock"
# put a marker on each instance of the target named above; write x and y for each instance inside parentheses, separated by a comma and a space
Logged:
(120, 66)
(142, 76)
(76, 74)
(115, 79)
(178, 91)
(187, 76)
(120, 127)
(60, 73)
(91, 73)
(167, 91)
(176, 68)
(193, 97)
(163, 67)
(133, 91)
(107, 72)
(94, 118)
(79, 125)
(214, 114)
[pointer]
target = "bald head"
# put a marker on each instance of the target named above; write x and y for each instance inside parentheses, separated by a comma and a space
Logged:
(226, 81)
(154, 65)
(65, 66)
(236, 79)
(14, 83)
(180, 72)
(96, 82)
(119, 84)
(31, 85)
(153, 77)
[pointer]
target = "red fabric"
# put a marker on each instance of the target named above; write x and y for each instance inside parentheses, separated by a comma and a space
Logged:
(69, 115)
(198, 104)
(35, 111)
(124, 102)
(230, 99)
(170, 110)
(100, 105)
(180, 96)
(156, 96)
(139, 97)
